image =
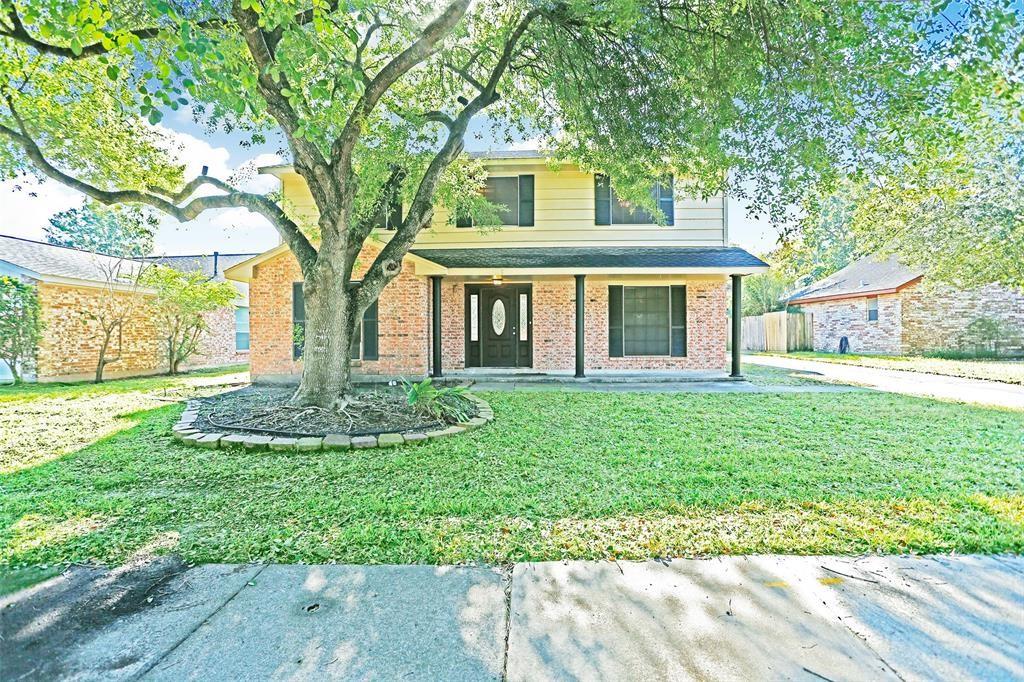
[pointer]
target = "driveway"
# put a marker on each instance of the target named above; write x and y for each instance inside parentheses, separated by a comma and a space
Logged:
(976, 391)
(834, 618)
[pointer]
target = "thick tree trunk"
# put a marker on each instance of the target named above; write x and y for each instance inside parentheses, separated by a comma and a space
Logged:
(331, 318)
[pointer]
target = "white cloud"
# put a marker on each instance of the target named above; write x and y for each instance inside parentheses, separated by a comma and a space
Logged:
(24, 213)
(26, 206)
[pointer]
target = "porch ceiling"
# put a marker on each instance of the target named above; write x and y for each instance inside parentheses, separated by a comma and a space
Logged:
(596, 259)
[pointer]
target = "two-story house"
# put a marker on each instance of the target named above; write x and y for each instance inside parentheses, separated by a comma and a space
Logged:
(574, 282)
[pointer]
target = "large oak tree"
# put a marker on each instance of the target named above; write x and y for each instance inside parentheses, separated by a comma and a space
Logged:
(373, 101)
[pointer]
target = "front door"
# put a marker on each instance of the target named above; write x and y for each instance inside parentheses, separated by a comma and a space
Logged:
(501, 325)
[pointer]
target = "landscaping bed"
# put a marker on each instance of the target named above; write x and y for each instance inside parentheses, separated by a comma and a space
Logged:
(266, 410)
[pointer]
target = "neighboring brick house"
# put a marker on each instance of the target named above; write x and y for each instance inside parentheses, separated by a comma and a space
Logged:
(884, 307)
(227, 342)
(654, 296)
(71, 283)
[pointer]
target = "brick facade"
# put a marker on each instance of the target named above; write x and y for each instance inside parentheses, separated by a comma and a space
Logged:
(404, 314)
(916, 319)
(70, 345)
(849, 317)
(217, 345)
(403, 321)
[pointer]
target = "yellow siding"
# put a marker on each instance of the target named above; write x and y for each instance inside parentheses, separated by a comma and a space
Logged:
(563, 215)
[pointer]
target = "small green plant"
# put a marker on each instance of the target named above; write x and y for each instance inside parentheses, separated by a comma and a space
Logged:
(298, 340)
(448, 403)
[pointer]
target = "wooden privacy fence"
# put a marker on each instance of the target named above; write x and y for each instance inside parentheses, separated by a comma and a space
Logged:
(778, 332)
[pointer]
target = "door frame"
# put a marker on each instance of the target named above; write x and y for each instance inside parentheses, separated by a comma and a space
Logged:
(474, 352)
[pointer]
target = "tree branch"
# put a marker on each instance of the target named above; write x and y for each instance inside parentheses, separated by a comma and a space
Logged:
(388, 263)
(166, 201)
(428, 42)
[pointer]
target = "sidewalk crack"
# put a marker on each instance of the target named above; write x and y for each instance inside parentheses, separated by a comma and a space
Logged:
(201, 623)
(506, 580)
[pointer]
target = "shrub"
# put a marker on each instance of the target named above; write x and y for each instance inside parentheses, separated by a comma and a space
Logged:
(447, 404)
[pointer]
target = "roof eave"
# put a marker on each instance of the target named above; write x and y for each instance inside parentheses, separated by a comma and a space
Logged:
(855, 294)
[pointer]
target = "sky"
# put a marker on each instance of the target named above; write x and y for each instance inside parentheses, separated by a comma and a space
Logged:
(25, 209)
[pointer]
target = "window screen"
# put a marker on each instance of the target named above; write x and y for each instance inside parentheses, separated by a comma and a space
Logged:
(645, 320)
(515, 196)
(609, 210)
(241, 328)
(872, 307)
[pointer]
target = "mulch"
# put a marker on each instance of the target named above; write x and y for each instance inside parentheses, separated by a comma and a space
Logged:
(265, 410)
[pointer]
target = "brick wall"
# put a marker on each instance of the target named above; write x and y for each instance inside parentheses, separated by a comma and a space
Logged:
(217, 346)
(554, 326)
(707, 327)
(935, 317)
(918, 318)
(70, 345)
(849, 317)
(403, 319)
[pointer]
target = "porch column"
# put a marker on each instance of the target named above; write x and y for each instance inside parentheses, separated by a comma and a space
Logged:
(435, 319)
(580, 325)
(737, 323)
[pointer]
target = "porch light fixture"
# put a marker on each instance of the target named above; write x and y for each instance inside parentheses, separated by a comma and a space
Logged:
(496, 280)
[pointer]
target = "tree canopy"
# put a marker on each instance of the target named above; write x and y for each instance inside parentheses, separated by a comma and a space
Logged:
(116, 231)
(374, 99)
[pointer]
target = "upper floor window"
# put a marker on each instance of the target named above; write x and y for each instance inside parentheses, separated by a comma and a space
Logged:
(514, 195)
(390, 219)
(872, 308)
(609, 210)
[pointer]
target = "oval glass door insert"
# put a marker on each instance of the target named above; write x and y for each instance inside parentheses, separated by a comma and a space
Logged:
(498, 316)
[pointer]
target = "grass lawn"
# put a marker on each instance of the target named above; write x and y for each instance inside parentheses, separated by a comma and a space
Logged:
(557, 475)
(1007, 371)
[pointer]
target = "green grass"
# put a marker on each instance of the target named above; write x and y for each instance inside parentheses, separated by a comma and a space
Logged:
(1007, 371)
(78, 389)
(557, 475)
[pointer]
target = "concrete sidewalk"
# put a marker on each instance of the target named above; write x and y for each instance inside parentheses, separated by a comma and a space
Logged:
(978, 391)
(727, 618)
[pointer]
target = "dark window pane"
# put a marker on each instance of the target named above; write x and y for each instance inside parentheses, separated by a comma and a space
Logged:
(370, 332)
(615, 321)
(678, 321)
(504, 191)
(463, 221)
(391, 219)
(666, 200)
(526, 200)
(625, 214)
(602, 200)
(645, 315)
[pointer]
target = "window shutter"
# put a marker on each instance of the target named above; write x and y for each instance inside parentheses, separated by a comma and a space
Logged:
(298, 316)
(370, 332)
(678, 348)
(602, 201)
(526, 200)
(615, 321)
(666, 200)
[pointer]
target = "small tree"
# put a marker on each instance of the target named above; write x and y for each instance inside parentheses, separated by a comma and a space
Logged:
(20, 325)
(122, 295)
(123, 231)
(765, 293)
(181, 301)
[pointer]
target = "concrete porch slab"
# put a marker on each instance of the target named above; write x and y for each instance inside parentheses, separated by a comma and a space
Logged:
(352, 622)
